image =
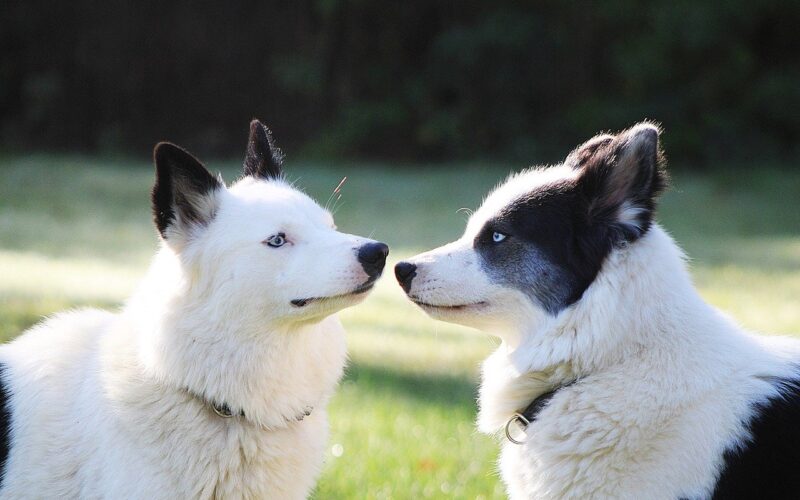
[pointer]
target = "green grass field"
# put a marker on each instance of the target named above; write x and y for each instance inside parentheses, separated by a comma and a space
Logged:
(77, 231)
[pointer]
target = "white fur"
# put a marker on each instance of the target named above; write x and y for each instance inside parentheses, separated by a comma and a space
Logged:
(664, 380)
(109, 405)
(517, 185)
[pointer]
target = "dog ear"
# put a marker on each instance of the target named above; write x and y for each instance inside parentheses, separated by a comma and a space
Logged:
(184, 195)
(622, 177)
(580, 155)
(263, 159)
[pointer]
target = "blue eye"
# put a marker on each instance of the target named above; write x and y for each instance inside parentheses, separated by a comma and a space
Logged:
(498, 237)
(276, 240)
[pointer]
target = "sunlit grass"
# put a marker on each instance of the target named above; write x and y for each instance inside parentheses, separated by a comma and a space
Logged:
(77, 232)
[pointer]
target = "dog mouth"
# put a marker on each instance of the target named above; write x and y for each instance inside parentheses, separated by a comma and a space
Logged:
(449, 307)
(361, 289)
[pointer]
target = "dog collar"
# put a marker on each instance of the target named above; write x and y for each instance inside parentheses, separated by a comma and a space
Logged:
(531, 412)
(224, 411)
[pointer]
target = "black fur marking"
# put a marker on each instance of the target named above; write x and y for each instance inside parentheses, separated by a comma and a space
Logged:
(5, 422)
(549, 253)
(767, 466)
(180, 180)
(625, 170)
(558, 236)
(263, 159)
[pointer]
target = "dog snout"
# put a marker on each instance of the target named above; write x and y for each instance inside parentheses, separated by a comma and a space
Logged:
(372, 257)
(405, 272)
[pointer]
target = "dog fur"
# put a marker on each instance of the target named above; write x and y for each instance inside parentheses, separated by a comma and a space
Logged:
(236, 313)
(671, 398)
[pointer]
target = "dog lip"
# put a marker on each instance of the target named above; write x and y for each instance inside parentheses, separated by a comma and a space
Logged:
(453, 307)
(362, 288)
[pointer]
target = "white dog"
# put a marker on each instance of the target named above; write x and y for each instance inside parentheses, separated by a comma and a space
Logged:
(214, 378)
(614, 378)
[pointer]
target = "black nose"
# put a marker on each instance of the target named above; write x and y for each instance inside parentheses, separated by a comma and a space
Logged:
(405, 272)
(373, 257)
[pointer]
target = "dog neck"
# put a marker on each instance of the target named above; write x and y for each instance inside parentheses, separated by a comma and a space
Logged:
(223, 410)
(223, 359)
(641, 303)
(636, 302)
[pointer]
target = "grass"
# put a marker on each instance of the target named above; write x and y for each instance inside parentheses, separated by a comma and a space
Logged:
(77, 231)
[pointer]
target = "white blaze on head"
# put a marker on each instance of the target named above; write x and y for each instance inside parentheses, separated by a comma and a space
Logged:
(514, 187)
(451, 282)
(554, 228)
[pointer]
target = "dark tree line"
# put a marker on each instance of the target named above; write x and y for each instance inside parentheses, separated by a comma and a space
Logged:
(417, 79)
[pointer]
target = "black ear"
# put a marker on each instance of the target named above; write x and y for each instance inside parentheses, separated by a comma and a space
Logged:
(580, 155)
(184, 192)
(263, 159)
(622, 177)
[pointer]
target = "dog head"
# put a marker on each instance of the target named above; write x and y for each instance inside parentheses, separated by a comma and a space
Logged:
(540, 239)
(259, 249)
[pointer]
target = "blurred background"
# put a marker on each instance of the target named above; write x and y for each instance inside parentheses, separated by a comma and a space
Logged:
(424, 106)
(412, 80)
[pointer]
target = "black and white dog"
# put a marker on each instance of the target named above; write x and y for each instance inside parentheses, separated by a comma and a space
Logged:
(213, 380)
(614, 378)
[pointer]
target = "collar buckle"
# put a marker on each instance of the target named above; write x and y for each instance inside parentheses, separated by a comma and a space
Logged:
(222, 410)
(523, 423)
(531, 413)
